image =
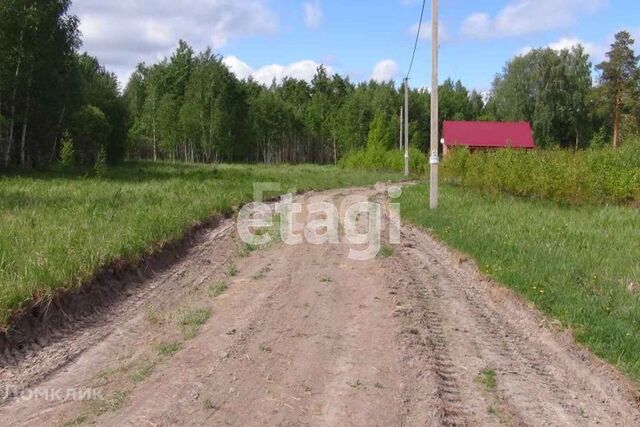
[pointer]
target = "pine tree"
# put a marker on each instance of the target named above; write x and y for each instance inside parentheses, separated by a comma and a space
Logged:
(619, 78)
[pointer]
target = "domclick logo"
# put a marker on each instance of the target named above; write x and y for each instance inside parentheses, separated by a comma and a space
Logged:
(358, 223)
(51, 394)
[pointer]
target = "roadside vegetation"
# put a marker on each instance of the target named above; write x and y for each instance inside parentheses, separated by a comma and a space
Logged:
(58, 229)
(596, 176)
(378, 154)
(577, 264)
(386, 160)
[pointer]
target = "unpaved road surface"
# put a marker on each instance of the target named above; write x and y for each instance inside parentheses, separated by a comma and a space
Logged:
(303, 335)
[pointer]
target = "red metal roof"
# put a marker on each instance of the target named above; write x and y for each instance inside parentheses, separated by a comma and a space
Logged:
(488, 134)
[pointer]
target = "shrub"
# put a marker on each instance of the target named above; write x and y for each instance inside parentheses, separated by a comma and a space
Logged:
(67, 152)
(380, 159)
(100, 167)
(379, 153)
(600, 139)
(602, 175)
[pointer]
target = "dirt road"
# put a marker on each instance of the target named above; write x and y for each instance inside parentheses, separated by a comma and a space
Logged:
(303, 335)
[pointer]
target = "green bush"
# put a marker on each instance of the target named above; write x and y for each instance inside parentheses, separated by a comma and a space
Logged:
(67, 153)
(378, 155)
(100, 167)
(376, 158)
(600, 176)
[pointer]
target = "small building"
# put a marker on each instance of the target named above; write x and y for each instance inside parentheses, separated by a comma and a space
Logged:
(487, 135)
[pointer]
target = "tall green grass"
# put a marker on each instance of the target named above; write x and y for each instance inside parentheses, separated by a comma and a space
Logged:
(580, 265)
(57, 229)
(596, 176)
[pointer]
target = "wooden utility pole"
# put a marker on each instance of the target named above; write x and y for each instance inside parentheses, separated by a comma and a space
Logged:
(435, 157)
(406, 126)
(401, 127)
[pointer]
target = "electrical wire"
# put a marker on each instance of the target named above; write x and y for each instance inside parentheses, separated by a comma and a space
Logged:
(415, 46)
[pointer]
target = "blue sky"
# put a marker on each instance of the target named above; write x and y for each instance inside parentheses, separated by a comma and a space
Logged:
(363, 39)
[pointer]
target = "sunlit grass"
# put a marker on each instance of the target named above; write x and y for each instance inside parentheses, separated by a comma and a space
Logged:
(57, 230)
(577, 264)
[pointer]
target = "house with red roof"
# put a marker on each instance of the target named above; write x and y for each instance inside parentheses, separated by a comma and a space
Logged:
(487, 135)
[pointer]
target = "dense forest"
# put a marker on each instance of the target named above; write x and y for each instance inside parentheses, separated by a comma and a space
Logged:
(47, 88)
(58, 102)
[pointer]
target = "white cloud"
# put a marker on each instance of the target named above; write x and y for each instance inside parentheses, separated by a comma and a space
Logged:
(304, 70)
(313, 15)
(385, 70)
(595, 51)
(425, 32)
(241, 69)
(477, 25)
(522, 17)
(121, 33)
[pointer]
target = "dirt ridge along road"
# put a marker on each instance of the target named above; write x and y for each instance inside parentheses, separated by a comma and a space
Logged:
(210, 249)
(302, 335)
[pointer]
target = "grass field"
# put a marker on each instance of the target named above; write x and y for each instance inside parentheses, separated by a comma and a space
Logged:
(58, 230)
(580, 265)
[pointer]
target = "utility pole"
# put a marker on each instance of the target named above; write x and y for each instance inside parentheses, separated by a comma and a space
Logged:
(401, 127)
(435, 157)
(406, 126)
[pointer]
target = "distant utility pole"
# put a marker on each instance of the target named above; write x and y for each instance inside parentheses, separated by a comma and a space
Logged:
(406, 126)
(435, 157)
(401, 127)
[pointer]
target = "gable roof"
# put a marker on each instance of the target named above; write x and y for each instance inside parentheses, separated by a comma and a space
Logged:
(488, 134)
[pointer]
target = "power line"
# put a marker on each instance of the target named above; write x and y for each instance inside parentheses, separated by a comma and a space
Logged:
(415, 46)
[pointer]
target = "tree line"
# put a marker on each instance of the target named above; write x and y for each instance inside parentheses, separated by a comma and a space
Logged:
(48, 89)
(555, 91)
(191, 107)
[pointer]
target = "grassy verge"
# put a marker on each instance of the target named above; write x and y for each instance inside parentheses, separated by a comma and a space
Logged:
(579, 265)
(57, 230)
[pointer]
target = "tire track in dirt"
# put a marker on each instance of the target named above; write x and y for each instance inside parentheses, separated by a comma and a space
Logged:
(425, 325)
(542, 375)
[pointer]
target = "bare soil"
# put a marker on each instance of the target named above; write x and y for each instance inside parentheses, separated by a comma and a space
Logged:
(302, 335)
